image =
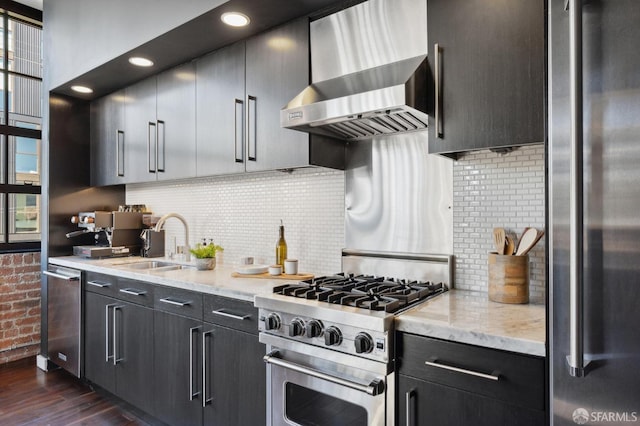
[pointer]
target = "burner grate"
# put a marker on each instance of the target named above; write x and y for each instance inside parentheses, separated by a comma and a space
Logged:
(363, 291)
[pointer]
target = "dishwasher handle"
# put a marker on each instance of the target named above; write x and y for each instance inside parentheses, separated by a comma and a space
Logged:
(62, 276)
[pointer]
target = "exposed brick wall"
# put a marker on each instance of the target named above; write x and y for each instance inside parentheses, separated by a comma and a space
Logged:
(19, 306)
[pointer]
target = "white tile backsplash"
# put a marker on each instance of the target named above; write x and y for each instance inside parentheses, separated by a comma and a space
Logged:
(242, 214)
(490, 190)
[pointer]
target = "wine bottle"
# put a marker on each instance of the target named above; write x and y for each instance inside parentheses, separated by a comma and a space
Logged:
(281, 247)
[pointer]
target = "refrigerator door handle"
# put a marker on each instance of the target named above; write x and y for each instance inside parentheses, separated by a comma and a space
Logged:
(576, 359)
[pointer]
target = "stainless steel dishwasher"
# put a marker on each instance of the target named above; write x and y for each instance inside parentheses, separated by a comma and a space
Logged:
(64, 320)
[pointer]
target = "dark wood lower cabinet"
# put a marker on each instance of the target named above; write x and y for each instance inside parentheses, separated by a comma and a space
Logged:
(177, 356)
(118, 347)
(444, 383)
(237, 375)
(207, 373)
(422, 403)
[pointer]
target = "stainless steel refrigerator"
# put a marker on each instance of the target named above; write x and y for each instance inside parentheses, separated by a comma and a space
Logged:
(594, 211)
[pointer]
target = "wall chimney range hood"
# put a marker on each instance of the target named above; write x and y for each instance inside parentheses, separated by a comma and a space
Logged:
(387, 99)
(370, 74)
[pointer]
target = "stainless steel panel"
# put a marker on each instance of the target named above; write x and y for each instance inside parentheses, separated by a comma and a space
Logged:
(367, 35)
(398, 198)
(64, 318)
(611, 96)
(423, 267)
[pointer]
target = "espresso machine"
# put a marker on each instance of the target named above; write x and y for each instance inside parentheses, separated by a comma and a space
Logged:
(116, 233)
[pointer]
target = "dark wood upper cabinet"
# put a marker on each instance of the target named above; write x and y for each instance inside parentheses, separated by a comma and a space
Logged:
(489, 68)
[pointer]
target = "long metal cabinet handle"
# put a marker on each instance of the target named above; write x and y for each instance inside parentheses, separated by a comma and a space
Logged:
(62, 277)
(152, 146)
(132, 291)
(239, 123)
(174, 302)
(120, 153)
(192, 393)
(576, 226)
(98, 284)
(376, 387)
(205, 400)
(161, 144)
(407, 400)
(106, 332)
(463, 370)
(116, 360)
(222, 313)
(438, 90)
(252, 143)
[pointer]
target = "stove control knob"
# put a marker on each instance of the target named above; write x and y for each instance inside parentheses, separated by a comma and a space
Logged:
(332, 336)
(313, 328)
(363, 343)
(272, 322)
(296, 328)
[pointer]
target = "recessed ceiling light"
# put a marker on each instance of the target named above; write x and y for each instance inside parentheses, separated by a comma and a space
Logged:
(235, 19)
(81, 89)
(140, 62)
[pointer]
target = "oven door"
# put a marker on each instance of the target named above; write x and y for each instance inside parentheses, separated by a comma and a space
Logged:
(314, 390)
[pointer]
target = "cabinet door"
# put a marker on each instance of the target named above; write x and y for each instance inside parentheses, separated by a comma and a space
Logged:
(220, 111)
(177, 360)
(141, 131)
(98, 342)
(107, 140)
(235, 378)
(490, 73)
(430, 404)
(277, 70)
(176, 123)
(133, 326)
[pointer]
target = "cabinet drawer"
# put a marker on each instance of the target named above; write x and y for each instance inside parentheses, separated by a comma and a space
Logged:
(101, 284)
(178, 301)
(514, 378)
(134, 291)
(232, 313)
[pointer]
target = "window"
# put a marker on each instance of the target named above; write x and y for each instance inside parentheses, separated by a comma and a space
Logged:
(21, 104)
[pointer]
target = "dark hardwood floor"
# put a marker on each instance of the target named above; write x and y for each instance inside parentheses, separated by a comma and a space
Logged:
(29, 396)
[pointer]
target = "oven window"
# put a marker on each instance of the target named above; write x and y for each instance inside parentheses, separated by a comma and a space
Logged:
(312, 408)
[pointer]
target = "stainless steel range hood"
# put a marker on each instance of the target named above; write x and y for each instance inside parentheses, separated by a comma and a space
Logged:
(370, 73)
(382, 100)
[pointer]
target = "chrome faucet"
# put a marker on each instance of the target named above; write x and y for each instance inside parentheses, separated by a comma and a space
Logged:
(163, 219)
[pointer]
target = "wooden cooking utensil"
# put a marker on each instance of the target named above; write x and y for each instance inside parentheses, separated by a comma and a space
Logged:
(527, 240)
(499, 239)
(539, 235)
(510, 246)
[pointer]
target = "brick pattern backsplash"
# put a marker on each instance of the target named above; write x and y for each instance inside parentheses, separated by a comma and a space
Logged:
(19, 306)
(490, 190)
(242, 214)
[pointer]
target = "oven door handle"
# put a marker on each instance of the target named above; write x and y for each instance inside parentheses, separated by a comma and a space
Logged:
(376, 387)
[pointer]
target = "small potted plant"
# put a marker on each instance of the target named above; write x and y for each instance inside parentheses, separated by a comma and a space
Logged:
(205, 256)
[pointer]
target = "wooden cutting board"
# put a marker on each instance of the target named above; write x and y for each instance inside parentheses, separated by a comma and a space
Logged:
(296, 277)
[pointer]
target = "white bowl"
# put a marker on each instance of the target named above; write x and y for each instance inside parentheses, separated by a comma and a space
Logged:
(275, 270)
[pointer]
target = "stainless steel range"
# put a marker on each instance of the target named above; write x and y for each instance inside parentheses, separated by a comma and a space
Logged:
(330, 349)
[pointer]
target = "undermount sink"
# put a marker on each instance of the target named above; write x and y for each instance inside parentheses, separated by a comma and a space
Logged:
(156, 266)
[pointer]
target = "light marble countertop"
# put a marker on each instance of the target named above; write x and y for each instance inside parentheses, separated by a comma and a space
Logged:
(470, 317)
(218, 281)
(459, 316)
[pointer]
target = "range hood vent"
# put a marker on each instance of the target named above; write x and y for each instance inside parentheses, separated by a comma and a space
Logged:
(387, 99)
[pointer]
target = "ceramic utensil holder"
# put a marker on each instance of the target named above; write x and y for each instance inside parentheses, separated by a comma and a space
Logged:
(508, 278)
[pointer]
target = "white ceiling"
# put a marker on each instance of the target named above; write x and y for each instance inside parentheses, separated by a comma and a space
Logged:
(36, 4)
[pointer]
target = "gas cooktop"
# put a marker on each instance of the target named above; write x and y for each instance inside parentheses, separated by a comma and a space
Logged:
(363, 291)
